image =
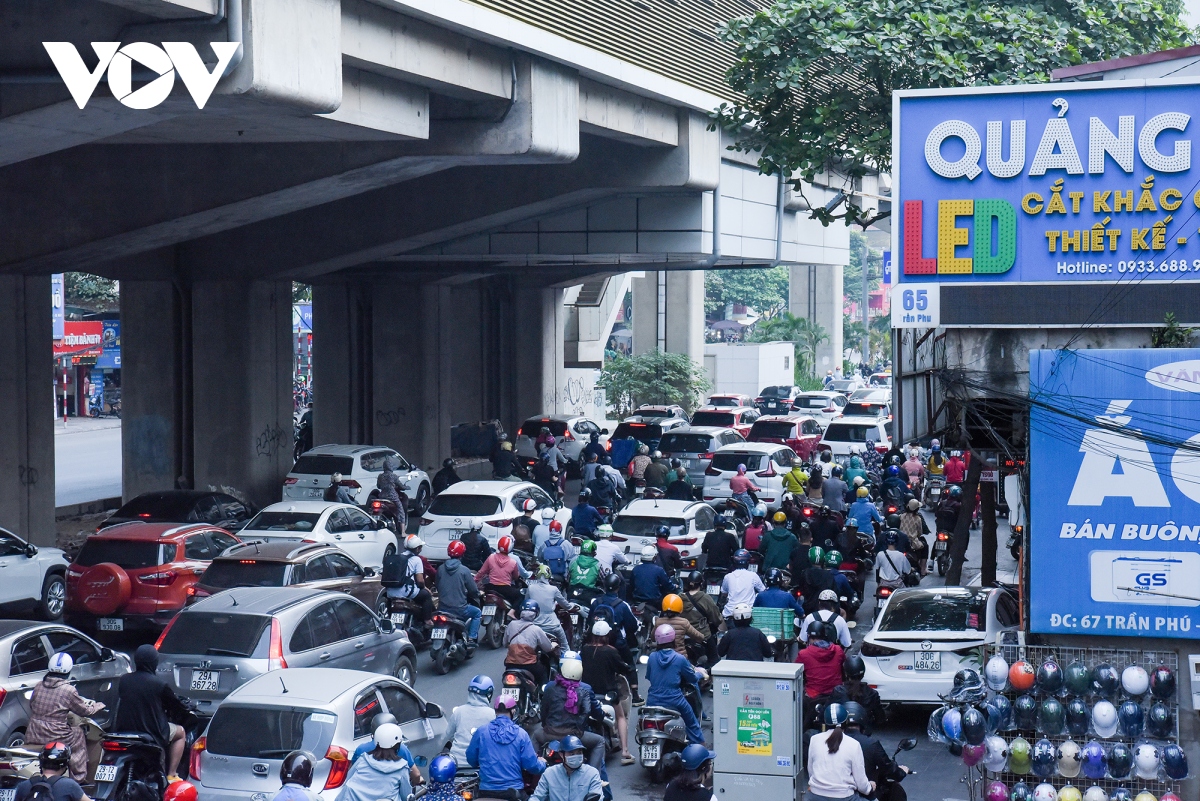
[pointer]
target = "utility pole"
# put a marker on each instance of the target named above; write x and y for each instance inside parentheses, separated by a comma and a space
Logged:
(864, 251)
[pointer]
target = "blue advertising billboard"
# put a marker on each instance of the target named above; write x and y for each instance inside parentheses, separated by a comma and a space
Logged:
(1115, 492)
(110, 355)
(1061, 182)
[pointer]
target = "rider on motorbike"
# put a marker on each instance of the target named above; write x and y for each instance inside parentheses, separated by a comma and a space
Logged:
(556, 552)
(639, 463)
(758, 526)
(702, 612)
(894, 487)
(742, 641)
(856, 468)
(337, 492)
(442, 771)
(526, 641)
(296, 777)
(853, 688)
(573, 779)
(657, 471)
(776, 547)
(863, 512)
(649, 581)
(584, 517)
(914, 468)
(741, 586)
(458, 595)
(53, 699)
(891, 566)
(500, 572)
(144, 702)
(594, 448)
(541, 533)
(403, 576)
(668, 674)
(881, 770)
(446, 477)
(53, 764)
(740, 487)
(548, 598)
(948, 507)
(796, 479)
(827, 612)
(603, 667)
(391, 488)
(465, 719)
(608, 552)
(672, 615)
(567, 703)
(822, 659)
(501, 750)
(668, 555)
(720, 545)
(827, 576)
(476, 548)
(693, 783)
(505, 466)
(624, 625)
(585, 569)
(936, 465)
(776, 595)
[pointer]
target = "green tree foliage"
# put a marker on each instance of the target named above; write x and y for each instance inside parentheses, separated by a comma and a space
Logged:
(653, 377)
(852, 273)
(92, 292)
(1172, 334)
(804, 334)
(816, 76)
(765, 291)
(301, 293)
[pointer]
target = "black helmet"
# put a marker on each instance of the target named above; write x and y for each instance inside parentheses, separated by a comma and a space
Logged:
(974, 726)
(741, 557)
(1160, 722)
(447, 463)
(1131, 718)
(662, 532)
(382, 719)
(893, 521)
(1105, 680)
(968, 687)
(297, 768)
(854, 668)
(55, 755)
(1174, 762)
(1077, 717)
(856, 714)
(1120, 760)
(820, 630)
(1162, 683)
(1077, 678)
(1025, 711)
(692, 580)
(676, 464)
(1044, 758)
(775, 577)
(1050, 677)
(1051, 717)
(584, 495)
(719, 523)
(612, 582)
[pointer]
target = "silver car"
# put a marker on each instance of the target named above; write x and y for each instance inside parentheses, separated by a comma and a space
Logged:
(323, 711)
(25, 651)
(217, 645)
(694, 447)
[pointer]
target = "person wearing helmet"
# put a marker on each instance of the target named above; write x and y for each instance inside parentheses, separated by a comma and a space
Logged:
(914, 468)
(672, 615)
(382, 719)
(720, 545)
(955, 470)
(776, 595)
(880, 768)
(670, 676)
(501, 571)
(741, 487)
(825, 576)
(526, 525)
(694, 783)
(571, 780)
(657, 472)
(702, 612)
(585, 517)
(54, 699)
(833, 491)
(458, 594)
(442, 771)
(623, 625)
(913, 525)
(679, 487)
(606, 486)
(815, 488)
(776, 547)
(608, 553)
(752, 535)
(741, 586)
(338, 492)
(567, 702)
(526, 642)
(391, 488)
(648, 581)
(506, 466)
(606, 671)
(936, 464)
(296, 777)
(549, 599)
(891, 566)
(594, 447)
(556, 553)
(796, 479)
(854, 470)
(585, 568)
(382, 773)
(836, 766)
(822, 658)
(446, 477)
(638, 464)
(895, 485)
(465, 719)
(863, 512)
(501, 750)
(146, 704)
(477, 548)
(668, 555)
(541, 532)
(946, 514)
(54, 762)
(826, 611)
(854, 689)
(403, 576)
(742, 641)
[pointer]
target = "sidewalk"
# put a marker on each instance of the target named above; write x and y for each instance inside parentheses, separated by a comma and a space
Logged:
(76, 425)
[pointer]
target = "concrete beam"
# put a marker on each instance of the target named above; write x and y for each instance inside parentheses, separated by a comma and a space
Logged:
(373, 101)
(607, 111)
(59, 126)
(170, 9)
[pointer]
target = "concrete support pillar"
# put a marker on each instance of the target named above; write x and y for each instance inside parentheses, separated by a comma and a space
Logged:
(538, 353)
(668, 313)
(27, 408)
(816, 294)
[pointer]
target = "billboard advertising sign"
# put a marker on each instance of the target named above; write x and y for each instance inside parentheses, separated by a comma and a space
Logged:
(80, 338)
(1115, 492)
(1054, 183)
(110, 356)
(58, 309)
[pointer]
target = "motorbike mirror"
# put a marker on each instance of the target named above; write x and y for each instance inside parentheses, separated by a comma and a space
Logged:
(604, 431)
(432, 710)
(107, 655)
(908, 744)
(421, 761)
(386, 625)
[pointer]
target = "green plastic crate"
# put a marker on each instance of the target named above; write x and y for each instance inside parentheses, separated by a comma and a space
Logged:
(774, 622)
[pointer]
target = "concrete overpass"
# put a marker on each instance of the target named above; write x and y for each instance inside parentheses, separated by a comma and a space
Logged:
(440, 170)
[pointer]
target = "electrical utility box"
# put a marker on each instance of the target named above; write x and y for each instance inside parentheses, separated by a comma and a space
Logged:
(757, 730)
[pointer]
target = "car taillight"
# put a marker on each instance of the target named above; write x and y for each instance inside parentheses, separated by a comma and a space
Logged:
(677, 541)
(943, 536)
(425, 521)
(289, 481)
(568, 436)
(275, 660)
(158, 643)
(711, 471)
(972, 651)
(114, 745)
(829, 410)
(339, 766)
(500, 523)
(194, 759)
(163, 578)
(708, 455)
(758, 400)
(608, 445)
(871, 649)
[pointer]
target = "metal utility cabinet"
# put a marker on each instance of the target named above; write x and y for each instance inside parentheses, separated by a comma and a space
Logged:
(757, 730)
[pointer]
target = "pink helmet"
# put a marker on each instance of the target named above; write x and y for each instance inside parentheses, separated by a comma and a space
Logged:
(664, 634)
(996, 791)
(550, 439)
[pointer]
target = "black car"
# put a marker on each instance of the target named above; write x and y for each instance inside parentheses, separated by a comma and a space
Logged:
(778, 399)
(185, 506)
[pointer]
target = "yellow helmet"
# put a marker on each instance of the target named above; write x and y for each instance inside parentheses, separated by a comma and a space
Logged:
(672, 603)
(1070, 793)
(780, 517)
(862, 492)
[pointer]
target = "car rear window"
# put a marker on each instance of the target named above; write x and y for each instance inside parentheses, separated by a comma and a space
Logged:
(724, 402)
(862, 409)
(129, 554)
(228, 573)
(461, 505)
(158, 505)
(718, 419)
(269, 732)
(642, 432)
(197, 633)
(729, 462)
(777, 392)
(772, 429)
(845, 432)
(685, 443)
(284, 521)
(644, 526)
(531, 428)
(936, 612)
(319, 464)
(812, 402)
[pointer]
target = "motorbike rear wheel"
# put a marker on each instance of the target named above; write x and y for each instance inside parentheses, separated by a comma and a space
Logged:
(441, 662)
(943, 564)
(494, 636)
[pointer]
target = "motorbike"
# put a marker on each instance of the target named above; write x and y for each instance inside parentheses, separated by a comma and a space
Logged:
(881, 596)
(660, 733)
(383, 512)
(523, 687)
(713, 579)
(645, 613)
(934, 485)
(133, 765)
(1014, 543)
(302, 436)
(606, 724)
(16, 765)
(940, 553)
(405, 613)
(582, 595)
(448, 642)
(573, 620)
(495, 619)
(891, 789)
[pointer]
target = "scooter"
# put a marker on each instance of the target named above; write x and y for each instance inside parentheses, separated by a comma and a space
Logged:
(133, 765)
(606, 724)
(448, 643)
(494, 620)
(940, 553)
(16, 765)
(660, 732)
(573, 620)
(383, 512)
(881, 597)
(713, 578)
(404, 614)
(523, 687)
(933, 491)
(891, 789)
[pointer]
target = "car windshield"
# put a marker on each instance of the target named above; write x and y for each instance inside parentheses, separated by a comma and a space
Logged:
(226, 573)
(158, 506)
(842, 386)
(129, 554)
(270, 732)
(812, 402)
(284, 521)
(629, 526)
(716, 419)
(685, 443)
(533, 427)
(642, 432)
(847, 432)
(933, 611)
(777, 392)
(449, 505)
(197, 633)
(862, 409)
(319, 464)
(728, 462)
(772, 429)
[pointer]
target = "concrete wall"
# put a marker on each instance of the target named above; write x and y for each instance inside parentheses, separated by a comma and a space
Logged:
(815, 294)
(745, 368)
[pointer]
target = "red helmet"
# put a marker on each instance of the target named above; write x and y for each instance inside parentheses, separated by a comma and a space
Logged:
(529, 504)
(555, 526)
(180, 791)
(456, 549)
(505, 544)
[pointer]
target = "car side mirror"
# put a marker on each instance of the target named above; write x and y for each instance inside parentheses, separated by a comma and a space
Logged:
(31, 551)
(432, 710)
(387, 626)
(107, 655)
(368, 572)
(604, 431)
(908, 744)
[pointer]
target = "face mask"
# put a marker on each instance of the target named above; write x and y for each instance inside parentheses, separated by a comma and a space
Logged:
(574, 761)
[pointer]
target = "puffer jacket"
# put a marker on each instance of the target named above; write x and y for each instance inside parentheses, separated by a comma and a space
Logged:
(501, 750)
(776, 547)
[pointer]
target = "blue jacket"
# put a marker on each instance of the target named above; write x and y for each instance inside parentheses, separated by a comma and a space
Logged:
(667, 670)
(626, 624)
(585, 518)
(369, 746)
(776, 598)
(841, 585)
(650, 583)
(864, 512)
(501, 750)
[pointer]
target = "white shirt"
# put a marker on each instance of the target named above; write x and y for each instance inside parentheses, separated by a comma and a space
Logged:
(740, 587)
(608, 552)
(892, 566)
(837, 775)
(843, 631)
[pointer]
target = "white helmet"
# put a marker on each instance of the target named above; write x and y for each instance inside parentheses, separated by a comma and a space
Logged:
(412, 542)
(742, 612)
(547, 514)
(996, 673)
(1068, 759)
(601, 628)
(388, 735)
(528, 505)
(476, 524)
(648, 553)
(1104, 719)
(760, 510)
(1145, 761)
(828, 595)
(995, 756)
(859, 481)
(61, 663)
(604, 531)
(571, 666)
(1095, 793)
(1045, 792)
(1135, 681)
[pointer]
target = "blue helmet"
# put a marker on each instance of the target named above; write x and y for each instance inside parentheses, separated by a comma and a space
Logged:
(955, 490)
(530, 606)
(1131, 718)
(570, 743)
(695, 755)
(741, 557)
(442, 769)
(893, 471)
(482, 686)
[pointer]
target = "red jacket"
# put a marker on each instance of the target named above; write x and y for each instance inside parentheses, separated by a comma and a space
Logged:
(954, 470)
(822, 668)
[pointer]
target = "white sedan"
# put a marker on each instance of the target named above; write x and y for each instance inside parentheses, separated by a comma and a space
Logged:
(496, 503)
(689, 522)
(924, 636)
(340, 524)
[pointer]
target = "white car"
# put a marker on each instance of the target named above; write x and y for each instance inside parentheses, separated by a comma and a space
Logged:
(845, 385)
(823, 406)
(689, 521)
(925, 635)
(360, 466)
(496, 503)
(340, 524)
(845, 433)
(872, 395)
(571, 435)
(766, 462)
(34, 577)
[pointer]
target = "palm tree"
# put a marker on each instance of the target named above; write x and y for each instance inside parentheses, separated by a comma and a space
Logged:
(811, 335)
(804, 334)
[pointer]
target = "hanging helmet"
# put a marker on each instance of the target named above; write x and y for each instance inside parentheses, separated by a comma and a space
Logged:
(1135, 681)
(504, 544)
(853, 667)
(966, 683)
(951, 724)
(861, 492)
(456, 549)
(1105, 680)
(1018, 756)
(1174, 762)
(672, 603)
(443, 769)
(1095, 793)
(955, 749)
(61, 664)
(775, 578)
(1093, 761)
(1162, 683)
(972, 755)
(55, 755)
(1131, 718)
(1145, 761)
(1045, 792)
(996, 791)
(999, 713)
(1050, 677)
(1168, 796)
(1068, 759)
(1022, 676)
(933, 729)
(297, 768)
(664, 634)
(648, 553)
(1070, 793)
(835, 714)
(1077, 717)
(1160, 722)
(741, 558)
(1145, 795)
(995, 756)
(743, 612)
(893, 521)
(180, 791)
(1025, 710)
(604, 531)
(760, 510)
(1104, 719)
(530, 609)
(973, 726)
(816, 555)
(1120, 760)
(1121, 794)
(482, 686)
(589, 548)
(1077, 678)
(1051, 718)
(833, 559)
(1020, 792)
(996, 673)
(571, 666)
(1044, 758)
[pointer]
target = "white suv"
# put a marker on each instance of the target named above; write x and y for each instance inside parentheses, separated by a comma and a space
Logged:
(34, 577)
(496, 503)
(766, 462)
(359, 464)
(846, 432)
(823, 405)
(571, 434)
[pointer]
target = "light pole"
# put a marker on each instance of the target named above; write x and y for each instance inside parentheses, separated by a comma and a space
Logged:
(863, 252)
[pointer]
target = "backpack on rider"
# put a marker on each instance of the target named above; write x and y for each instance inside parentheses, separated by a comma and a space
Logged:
(395, 575)
(555, 556)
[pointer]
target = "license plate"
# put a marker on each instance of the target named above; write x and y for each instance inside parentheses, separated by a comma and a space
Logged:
(714, 589)
(510, 692)
(400, 618)
(106, 773)
(574, 619)
(316, 493)
(931, 660)
(8, 795)
(489, 610)
(438, 634)
(938, 547)
(111, 624)
(651, 753)
(753, 567)
(457, 534)
(206, 680)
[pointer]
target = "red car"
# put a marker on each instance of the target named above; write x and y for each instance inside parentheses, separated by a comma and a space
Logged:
(729, 399)
(136, 575)
(739, 418)
(799, 432)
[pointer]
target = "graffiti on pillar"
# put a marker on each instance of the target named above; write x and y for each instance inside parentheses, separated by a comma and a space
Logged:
(390, 417)
(269, 442)
(28, 476)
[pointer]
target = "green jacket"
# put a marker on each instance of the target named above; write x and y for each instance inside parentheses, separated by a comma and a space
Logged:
(584, 570)
(855, 469)
(776, 547)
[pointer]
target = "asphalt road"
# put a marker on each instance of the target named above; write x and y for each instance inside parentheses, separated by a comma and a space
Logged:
(87, 460)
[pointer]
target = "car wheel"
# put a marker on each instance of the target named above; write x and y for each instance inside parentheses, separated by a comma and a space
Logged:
(16, 739)
(54, 597)
(405, 671)
(422, 502)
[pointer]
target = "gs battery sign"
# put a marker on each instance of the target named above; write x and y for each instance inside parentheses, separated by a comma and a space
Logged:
(1115, 492)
